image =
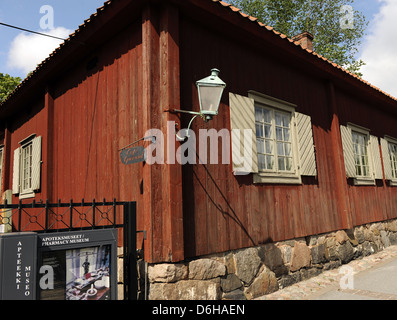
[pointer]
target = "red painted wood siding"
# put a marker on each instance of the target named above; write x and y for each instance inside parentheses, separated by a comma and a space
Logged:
(224, 212)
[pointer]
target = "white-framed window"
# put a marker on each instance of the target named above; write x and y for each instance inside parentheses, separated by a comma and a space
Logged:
(393, 159)
(273, 140)
(389, 153)
(361, 154)
(360, 150)
(27, 167)
(281, 147)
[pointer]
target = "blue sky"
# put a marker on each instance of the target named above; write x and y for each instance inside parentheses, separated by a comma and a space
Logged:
(68, 15)
(21, 52)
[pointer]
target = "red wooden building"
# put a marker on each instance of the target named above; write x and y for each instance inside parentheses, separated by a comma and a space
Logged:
(324, 153)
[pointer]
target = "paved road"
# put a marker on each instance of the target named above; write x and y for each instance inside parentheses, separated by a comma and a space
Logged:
(370, 278)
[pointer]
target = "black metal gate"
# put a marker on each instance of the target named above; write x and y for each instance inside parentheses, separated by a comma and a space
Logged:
(44, 217)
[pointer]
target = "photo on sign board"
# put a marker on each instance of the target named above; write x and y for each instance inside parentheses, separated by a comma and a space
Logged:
(79, 274)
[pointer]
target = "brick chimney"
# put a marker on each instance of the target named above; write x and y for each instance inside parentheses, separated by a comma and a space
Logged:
(305, 40)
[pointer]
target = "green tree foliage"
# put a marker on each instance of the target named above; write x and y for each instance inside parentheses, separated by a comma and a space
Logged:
(7, 85)
(337, 28)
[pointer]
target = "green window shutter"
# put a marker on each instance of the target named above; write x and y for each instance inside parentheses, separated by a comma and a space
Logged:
(386, 159)
(15, 173)
(307, 156)
(377, 163)
(242, 122)
(36, 163)
(348, 154)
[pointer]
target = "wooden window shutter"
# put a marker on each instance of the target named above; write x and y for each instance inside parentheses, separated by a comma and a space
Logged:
(377, 163)
(348, 154)
(242, 122)
(386, 159)
(36, 163)
(307, 156)
(15, 173)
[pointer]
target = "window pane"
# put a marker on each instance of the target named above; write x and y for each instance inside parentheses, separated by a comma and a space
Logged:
(268, 131)
(280, 149)
(269, 147)
(289, 164)
(278, 119)
(281, 164)
(287, 136)
(287, 149)
(261, 162)
(279, 134)
(259, 130)
(258, 114)
(267, 116)
(270, 162)
(259, 146)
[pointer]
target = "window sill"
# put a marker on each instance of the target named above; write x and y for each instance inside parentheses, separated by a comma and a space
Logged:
(276, 179)
(26, 195)
(364, 182)
(393, 183)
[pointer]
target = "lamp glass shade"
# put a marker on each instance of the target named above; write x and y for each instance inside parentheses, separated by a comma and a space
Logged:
(210, 92)
(210, 98)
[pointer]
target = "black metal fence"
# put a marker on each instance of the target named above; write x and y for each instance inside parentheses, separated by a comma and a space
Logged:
(42, 217)
(52, 217)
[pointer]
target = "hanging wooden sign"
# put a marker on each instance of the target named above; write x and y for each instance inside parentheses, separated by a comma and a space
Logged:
(133, 155)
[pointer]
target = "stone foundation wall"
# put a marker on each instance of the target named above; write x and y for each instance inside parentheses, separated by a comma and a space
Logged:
(253, 272)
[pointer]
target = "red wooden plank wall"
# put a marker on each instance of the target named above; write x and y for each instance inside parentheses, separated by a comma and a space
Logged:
(224, 212)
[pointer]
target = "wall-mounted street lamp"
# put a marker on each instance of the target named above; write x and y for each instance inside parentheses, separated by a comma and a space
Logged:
(210, 90)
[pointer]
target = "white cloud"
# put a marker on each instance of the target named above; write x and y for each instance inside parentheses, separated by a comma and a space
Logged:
(29, 50)
(380, 49)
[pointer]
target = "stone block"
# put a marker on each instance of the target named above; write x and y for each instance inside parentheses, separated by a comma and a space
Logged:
(331, 253)
(393, 238)
(345, 252)
(230, 283)
(264, 283)
(288, 280)
(271, 256)
(234, 295)
(341, 236)
(359, 234)
(369, 248)
(167, 272)
(186, 290)
(309, 273)
(318, 254)
(230, 264)
(204, 269)
(300, 256)
(286, 252)
(247, 264)
(385, 238)
(392, 226)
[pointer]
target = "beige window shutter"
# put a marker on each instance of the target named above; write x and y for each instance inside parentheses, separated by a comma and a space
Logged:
(348, 154)
(307, 156)
(36, 163)
(15, 173)
(377, 163)
(386, 159)
(242, 121)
